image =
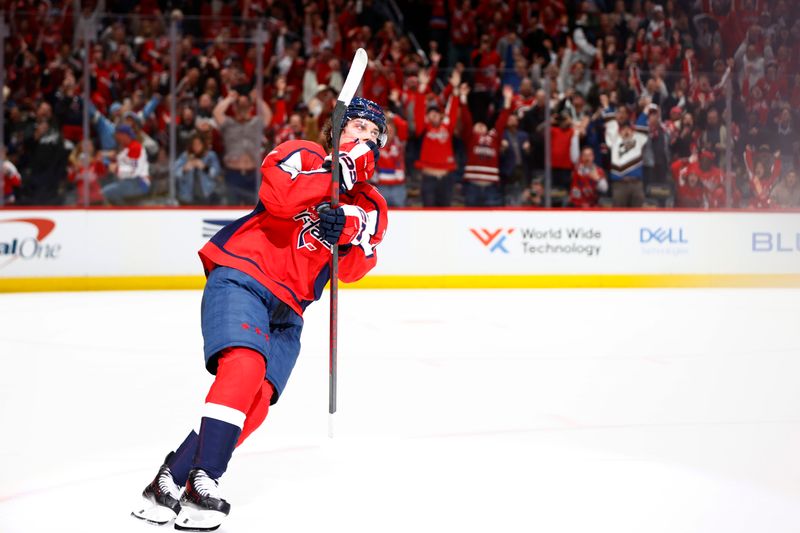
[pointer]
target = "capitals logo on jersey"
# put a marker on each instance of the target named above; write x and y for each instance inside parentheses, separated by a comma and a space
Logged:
(310, 234)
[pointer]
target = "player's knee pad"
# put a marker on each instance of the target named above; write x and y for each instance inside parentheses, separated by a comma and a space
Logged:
(240, 375)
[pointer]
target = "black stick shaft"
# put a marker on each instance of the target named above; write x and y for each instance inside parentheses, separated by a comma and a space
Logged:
(338, 114)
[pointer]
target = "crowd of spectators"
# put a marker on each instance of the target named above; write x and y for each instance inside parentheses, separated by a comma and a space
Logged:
(686, 103)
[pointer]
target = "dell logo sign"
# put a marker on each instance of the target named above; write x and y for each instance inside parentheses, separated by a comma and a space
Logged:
(662, 235)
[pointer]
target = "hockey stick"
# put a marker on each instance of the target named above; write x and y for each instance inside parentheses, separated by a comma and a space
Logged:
(349, 88)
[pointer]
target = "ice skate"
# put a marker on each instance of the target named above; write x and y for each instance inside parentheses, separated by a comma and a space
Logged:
(202, 508)
(160, 503)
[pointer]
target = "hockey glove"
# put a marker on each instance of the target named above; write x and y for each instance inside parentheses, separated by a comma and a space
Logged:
(344, 225)
(357, 161)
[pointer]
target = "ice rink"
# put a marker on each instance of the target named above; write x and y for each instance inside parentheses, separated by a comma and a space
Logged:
(624, 411)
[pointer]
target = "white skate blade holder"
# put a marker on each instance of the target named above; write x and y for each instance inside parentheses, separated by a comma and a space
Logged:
(153, 513)
(198, 520)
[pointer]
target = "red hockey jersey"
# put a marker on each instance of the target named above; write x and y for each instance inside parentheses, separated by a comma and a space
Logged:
(585, 190)
(713, 180)
(436, 151)
(483, 151)
(279, 243)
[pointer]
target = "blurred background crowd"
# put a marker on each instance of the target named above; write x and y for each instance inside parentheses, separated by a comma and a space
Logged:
(609, 103)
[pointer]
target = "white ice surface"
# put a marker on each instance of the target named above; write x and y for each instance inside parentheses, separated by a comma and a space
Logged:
(624, 411)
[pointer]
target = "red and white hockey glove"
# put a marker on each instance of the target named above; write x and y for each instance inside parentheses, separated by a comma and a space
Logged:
(347, 224)
(357, 161)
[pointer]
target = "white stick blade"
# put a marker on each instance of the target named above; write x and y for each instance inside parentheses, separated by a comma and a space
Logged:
(353, 80)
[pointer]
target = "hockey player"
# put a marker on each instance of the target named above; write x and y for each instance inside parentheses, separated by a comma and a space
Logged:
(263, 271)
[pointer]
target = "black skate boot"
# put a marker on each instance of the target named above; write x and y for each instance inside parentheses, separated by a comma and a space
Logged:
(202, 508)
(160, 502)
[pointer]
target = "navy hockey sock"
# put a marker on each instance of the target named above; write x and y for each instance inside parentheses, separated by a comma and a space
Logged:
(217, 441)
(180, 462)
(240, 377)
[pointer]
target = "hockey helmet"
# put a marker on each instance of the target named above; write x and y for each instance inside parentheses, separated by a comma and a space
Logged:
(368, 110)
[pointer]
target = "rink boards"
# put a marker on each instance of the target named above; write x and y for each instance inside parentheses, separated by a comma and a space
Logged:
(73, 249)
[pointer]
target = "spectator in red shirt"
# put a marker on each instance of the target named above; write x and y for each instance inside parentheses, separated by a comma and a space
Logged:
(437, 160)
(562, 136)
(690, 191)
(712, 178)
(463, 32)
(588, 181)
(291, 131)
(86, 176)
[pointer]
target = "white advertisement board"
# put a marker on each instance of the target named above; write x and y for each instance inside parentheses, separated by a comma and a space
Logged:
(591, 242)
(163, 243)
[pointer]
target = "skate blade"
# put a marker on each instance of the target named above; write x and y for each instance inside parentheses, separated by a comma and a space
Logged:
(153, 513)
(198, 520)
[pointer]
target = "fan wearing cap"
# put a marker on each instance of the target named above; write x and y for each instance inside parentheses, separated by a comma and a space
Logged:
(263, 271)
(131, 169)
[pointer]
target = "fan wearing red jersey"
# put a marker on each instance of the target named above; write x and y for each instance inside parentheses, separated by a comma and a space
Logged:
(690, 191)
(588, 180)
(712, 177)
(436, 159)
(263, 271)
(482, 171)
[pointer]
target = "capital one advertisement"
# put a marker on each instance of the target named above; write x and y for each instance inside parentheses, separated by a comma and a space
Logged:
(29, 245)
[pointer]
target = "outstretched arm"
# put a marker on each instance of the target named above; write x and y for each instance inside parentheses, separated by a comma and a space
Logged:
(263, 108)
(222, 107)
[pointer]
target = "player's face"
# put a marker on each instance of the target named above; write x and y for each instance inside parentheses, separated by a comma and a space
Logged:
(360, 129)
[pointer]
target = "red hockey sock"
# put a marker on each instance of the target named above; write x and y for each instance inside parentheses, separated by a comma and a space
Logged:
(257, 412)
(240, 375)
